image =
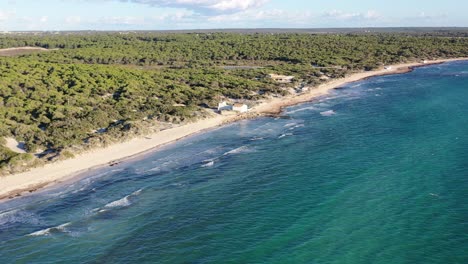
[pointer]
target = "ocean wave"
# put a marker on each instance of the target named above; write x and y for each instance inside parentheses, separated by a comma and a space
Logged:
(328, 113)
(239, 150)
(211, 150)
(374, 89)
(48, 231)
(7, 217)
(296, 126)
(155, 169)
(183, 159)
(120, 203)
(285, 135)
(290, 124)
(125, 201)
(208, 163)
(311, 108)
(18, 216)
(257, 138)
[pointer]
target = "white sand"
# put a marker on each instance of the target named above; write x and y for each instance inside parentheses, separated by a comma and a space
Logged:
(24, 48)
(56, 172)
(14, 145)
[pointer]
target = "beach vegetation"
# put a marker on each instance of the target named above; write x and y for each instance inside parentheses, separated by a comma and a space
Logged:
(100, 88)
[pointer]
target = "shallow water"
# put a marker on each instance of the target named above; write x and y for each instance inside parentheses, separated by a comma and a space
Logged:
(374, 173)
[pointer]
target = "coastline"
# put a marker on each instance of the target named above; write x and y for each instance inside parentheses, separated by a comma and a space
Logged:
(51, 174)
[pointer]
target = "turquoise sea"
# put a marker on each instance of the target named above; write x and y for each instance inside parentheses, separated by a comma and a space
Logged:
(375, 172)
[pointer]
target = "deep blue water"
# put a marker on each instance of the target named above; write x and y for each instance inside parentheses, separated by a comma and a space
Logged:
(376, 172)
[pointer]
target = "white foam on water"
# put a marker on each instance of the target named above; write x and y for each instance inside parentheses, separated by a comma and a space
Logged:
(328, 113)
(290, 124)
(44, 232)
(181, 159)
(285, 135)
(311, 108)
(7, 217)
(296, 126)
(257, 138)
(209, 163)
(120, 203)
(137, 192)
(18, 216)
(155, 169)
(356, 85)
(48, 231)
(239, 150)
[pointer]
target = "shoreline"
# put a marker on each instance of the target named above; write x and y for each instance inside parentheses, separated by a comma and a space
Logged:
(51, 174)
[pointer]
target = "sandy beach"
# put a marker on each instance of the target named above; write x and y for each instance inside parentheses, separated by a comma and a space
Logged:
(15, 185)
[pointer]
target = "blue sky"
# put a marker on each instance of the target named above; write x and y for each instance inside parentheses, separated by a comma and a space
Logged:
(199, 14)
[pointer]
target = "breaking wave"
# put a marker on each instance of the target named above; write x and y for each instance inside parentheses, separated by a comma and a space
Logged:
(257, 138)
(48, 231)
(243, 149)
(120, 203)
(311, 108)
(18, 216)
(208, 163)
(285, 135)
(290, 124)
(328, 113)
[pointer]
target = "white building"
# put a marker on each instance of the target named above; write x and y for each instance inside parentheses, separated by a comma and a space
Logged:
(241, 108)
(224, 106)
(388, 68)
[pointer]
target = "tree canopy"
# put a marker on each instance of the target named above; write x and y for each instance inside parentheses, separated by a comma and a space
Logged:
(99, 88)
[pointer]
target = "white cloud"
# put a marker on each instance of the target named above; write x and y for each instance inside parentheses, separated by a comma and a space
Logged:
(6, 15)
(73, 20)
(372, 14)
(244, 16)
(423, 15)
(264, 16)
(206, 6)
(180, 16)
(340, 15)
(122, 20)
(43, 19)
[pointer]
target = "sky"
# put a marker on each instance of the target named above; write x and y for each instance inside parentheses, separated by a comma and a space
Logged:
(24, 15)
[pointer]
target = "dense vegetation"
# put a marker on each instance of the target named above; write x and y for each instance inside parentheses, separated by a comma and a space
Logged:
(99, 88)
